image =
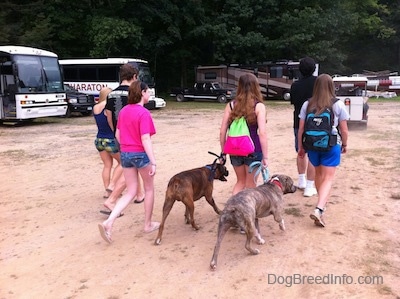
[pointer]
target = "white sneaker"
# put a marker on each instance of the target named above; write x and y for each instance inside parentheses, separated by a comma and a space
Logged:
(301, 184)
(317, 217)
(308, 192)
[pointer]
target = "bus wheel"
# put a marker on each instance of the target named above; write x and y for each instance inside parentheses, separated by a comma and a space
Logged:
(221, 99)
(180, 98)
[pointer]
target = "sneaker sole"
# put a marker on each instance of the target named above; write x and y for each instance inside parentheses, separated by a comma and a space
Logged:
(309, 195)
(317, 221)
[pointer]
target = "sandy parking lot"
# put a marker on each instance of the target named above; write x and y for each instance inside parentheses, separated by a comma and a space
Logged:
(50, 246)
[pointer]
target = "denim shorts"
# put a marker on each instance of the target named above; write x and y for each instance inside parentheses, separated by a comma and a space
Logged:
(106, 144)
(238, 160)
(331, 158)
(136, 160)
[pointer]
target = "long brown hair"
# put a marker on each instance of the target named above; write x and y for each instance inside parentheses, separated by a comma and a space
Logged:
(135, 92)
(323, 93)
(248, 94)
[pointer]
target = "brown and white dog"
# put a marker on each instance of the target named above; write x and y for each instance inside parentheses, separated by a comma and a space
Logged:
(189, 186)
(244, 208)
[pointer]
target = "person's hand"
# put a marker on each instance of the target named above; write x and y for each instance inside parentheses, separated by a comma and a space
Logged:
(301, 153)
(222, 158)
(153, 169)
(265, 162)
(344, 149)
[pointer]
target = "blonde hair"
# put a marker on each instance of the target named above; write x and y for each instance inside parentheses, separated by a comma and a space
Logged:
(323, 93)
(104, 93)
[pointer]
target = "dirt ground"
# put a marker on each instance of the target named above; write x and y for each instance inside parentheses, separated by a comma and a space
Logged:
(51, 247)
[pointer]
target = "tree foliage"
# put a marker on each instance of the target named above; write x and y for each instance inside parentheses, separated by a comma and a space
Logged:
(344, 36)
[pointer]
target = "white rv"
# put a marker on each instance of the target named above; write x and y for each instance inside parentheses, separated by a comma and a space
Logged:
(353, 92)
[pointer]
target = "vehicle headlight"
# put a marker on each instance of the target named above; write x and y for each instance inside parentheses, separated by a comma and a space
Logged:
(73, 100)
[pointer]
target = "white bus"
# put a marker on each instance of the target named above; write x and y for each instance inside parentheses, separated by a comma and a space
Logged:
(31, 84)
(91, 75)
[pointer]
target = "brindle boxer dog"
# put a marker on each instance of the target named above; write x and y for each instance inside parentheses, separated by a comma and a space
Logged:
(189, 186)
(244, 208)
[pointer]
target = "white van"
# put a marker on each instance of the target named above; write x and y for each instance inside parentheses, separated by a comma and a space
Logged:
(353, 92)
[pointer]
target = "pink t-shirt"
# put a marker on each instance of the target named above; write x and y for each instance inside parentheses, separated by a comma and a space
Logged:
(133, 122)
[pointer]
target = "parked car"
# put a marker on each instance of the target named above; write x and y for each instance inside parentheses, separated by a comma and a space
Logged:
(205, 91)
(78, 101)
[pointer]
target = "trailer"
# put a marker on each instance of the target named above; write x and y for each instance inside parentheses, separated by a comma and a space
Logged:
(275, 78)
(353, 92)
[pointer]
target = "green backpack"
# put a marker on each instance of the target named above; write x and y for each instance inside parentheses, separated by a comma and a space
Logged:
(238, 141)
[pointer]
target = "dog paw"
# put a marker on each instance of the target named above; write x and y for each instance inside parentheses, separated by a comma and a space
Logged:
(213, 266)
(261, 241)
(282, 225)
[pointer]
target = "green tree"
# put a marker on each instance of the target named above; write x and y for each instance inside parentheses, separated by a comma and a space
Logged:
(107, 34)
(344, 36)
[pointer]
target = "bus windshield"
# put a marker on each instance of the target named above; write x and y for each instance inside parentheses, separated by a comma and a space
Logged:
(145, 74)
(38, 74)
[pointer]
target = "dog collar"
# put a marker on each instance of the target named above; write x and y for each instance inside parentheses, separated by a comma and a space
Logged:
(212, 172)
(276, 181)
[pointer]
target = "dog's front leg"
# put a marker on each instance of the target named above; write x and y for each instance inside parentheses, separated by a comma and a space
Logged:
(211, 201)
(260, 240)
(278, 218)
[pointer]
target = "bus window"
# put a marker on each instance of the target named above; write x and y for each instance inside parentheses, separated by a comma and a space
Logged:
(276, 71)
(145, 74)
(70, 73)
(108, 73)
(52, 74)
(87, 73)
(29, 72)
(210, 76)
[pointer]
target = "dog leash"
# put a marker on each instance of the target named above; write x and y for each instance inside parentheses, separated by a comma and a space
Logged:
(259, 169)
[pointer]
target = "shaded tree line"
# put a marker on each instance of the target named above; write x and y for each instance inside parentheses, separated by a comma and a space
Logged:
(344, 36)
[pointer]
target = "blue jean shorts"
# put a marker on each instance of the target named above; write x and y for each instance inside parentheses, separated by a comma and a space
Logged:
(107, 144)
(238, 160)
(136, 160)
(331, 158)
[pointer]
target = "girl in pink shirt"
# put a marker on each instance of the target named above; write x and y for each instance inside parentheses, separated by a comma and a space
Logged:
(134, 130)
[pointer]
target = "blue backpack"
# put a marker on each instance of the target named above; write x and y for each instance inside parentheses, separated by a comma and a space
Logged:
(317, 134)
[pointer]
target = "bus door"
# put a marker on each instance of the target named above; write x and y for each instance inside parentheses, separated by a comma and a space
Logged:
(8, 89)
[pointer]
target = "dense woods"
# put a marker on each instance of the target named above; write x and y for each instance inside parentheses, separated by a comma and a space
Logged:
(344, 36)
